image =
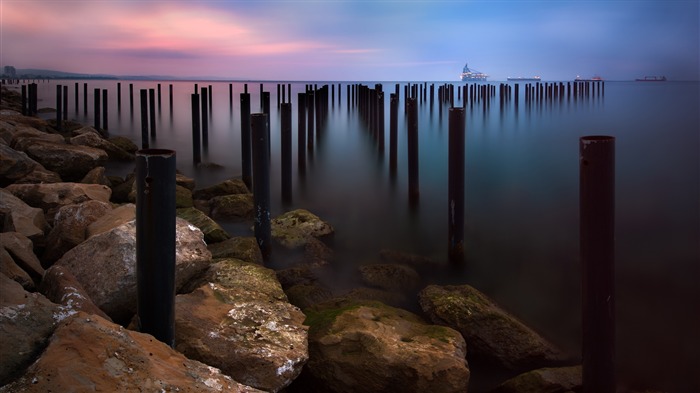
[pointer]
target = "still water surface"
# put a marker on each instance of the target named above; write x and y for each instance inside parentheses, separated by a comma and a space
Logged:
(521, 221)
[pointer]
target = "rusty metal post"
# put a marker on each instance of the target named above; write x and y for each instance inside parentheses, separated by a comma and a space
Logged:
(155, 243)
(455, 185)
(259, 125)
(597, 237)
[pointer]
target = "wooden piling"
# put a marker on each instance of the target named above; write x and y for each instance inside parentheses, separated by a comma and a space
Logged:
(196, 148)
(455, 187)
(259, 125)
(205, 117)
(119, 97)
(246, 163)
(85, 98)
(97, 109)
(152, 111)
(144, 118)
(286, 142)
(413, 187)
(59, 107)
(104, 110)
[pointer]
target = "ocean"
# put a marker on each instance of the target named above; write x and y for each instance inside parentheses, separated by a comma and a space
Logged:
(521, 198)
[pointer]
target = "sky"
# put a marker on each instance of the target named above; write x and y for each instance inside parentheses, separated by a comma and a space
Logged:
(355, 40)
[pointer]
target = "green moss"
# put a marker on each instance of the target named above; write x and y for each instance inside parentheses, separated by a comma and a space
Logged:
(320, 320)
(440, 333)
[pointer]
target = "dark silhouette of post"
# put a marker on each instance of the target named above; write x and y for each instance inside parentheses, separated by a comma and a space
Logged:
(152, 111)
(205, 117)
(59, 108)
(85, 98)
(65, 102)
(119, 97)
(413, 188)
(196, 148)
(259, 125)
(144, 119)
(97, 109)
(77, 94)
(155, 243)
(286, 141)
(104, 109)
(159, 98)
(393, 131)
(170, 96)
(597, 237)
(246, 164)
(310, 119)
(455, 185)
(301, 131)
(131, 97)
(25, 112)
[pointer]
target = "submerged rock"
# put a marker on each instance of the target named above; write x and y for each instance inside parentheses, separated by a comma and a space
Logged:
(371, 347)
(491, 333)
(293, 229)
(544, 380)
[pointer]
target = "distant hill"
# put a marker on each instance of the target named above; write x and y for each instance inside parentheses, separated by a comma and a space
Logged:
(53, 74)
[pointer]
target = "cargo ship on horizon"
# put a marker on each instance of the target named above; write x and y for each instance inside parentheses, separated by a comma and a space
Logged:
(469, 75)
(524, 78)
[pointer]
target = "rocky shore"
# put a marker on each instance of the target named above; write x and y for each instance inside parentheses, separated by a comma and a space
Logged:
(68, 294)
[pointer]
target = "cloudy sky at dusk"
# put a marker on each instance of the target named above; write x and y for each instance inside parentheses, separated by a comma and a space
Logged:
(354, 40)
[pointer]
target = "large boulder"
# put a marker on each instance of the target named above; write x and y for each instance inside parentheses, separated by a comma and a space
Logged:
(544, 380)
(51, 197)
(71, 162)
(88, 353)
(293, 229)
(239, 320)
(390, 277)
(213, 232)
(26, 322)
(105, 265)
(111, 219)
(20, 217)
(9, 268)
(87, 136)
(493, 334)
(16, 165)
(235, 207)
(371, 347)
(69, 227)
(227, 187)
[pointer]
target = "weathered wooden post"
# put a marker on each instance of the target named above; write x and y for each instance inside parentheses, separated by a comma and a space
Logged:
(59, 108)
(24, 100)
(152, 111)
(77, 94)
(131, 97)
(393, 131)
(159, 101)
(97, 109)
(144, 118)
(104, 109)
(119, 97)
(413, 188)
(196, 148)
(286, 141)
(310, 104)
(85, 98)
(259, 125)
(301, 131)
(155, 243)
(246, 164)
(597, 237)
(170, 96)
(455, 185)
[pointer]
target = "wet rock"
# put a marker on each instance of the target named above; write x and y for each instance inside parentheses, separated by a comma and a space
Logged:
(183, 197)
(227, 187)
(236, 207)
(9, 268)
(88, 136)
(293, 229)
(241, 322)
(26, 322)
(544, 380)
(418, 262)
(124, 143)
(307, 295)
(492, 333)
(184, 181)
(105, 265)
(60, 286)
(391, 277)
(71, 162)
(371, 347)
(24, 136)
(391, 298)
(241, 247)
(213, 232)
(70, 225)
(20, 217)
(88, 353)
(51, 197)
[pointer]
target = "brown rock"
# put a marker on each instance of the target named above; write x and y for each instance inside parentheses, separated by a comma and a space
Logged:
(71, 162)
(70, 224)
(21, 249)
(213, 232)
(88, 353)
(111, 219)
(227, 187)
(293, 229)
(236, 207)
(96, 176)
(20, 217)
(544, 380)
(9, 268)
(243, 247)
(391, 277)
(61, 287)
(87, 136)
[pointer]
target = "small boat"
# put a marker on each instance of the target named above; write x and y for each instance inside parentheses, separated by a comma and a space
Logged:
(652, 79)
(469, 75)
(524, 79)
(595, 78)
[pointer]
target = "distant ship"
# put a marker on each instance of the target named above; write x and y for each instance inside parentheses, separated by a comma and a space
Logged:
(525, 79)
(468, 75)
(652, 79)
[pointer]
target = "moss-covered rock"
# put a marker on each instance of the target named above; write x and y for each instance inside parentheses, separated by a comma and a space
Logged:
(242, 247)
(227, 187)
(213, 232)
(544, 380)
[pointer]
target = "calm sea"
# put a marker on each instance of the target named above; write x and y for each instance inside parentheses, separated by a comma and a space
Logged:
(521, 220)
